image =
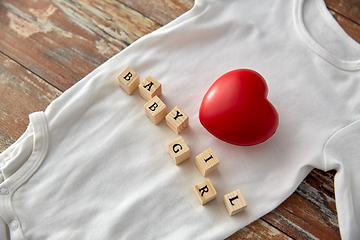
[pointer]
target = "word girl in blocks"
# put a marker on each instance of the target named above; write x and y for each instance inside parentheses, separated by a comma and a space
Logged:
(155, 110)
(128, 80)
(205, 191)
(206, 162)
(177, 120)
(235, 202)
(149, 88)
(178, 150)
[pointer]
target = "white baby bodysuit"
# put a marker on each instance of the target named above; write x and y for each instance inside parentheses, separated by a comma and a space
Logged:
(93, 166)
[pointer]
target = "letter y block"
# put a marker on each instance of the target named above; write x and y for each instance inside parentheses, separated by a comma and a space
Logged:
(177, 120)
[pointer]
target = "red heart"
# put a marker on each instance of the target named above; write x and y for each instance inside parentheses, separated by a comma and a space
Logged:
(236, 110)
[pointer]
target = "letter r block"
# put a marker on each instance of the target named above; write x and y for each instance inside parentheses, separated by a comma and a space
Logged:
(149, 88)
(235, 202)
(205, 191)
(206, 162)
(178, 150)
(128, 80)
(177, 120)
(155, 110)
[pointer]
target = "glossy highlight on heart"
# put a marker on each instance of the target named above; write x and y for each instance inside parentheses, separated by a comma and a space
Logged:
(236, 110)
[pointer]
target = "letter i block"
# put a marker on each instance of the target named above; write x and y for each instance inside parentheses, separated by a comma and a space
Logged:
(155, 110)
(149, 88)
(177, 120)
(235, 202)
(128, 80)
(205, 191)
(206, 162)
(178, 150)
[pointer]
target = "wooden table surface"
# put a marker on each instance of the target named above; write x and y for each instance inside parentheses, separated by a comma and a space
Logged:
(46, 46)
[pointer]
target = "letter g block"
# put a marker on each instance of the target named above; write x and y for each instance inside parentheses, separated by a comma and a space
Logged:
(178, 150)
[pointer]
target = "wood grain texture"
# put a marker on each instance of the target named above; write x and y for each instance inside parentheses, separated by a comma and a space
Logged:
(347, 8)
(259, 230)
(23, 93)
(63, 41)
(351, 28)
(46, 46)
(160, 11)
(309, 213)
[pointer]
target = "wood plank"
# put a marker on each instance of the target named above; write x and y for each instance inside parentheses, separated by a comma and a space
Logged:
(160, 11)
(21, 93)
(310, 212)
(50, 37)
(347, 8)
(350, 27)
(62, 41)
(259, 230)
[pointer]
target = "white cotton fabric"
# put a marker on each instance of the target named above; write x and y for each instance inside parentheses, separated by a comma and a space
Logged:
(93, 166)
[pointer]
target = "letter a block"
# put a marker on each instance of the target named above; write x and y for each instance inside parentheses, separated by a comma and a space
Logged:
(128, 80)
(205, 191)
(235, 202)
(149, 88)
(178, 150)
(155, 110)
(206, 162)
(177, 120)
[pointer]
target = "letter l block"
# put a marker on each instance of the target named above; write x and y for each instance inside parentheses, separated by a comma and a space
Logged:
(235, 202)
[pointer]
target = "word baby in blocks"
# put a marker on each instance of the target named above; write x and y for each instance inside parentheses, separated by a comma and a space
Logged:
(178, 150)
(177, 120)
(149, 88)
(155, 110)
(206, 162)
(235, 202)
(128, 80)
(205, 191)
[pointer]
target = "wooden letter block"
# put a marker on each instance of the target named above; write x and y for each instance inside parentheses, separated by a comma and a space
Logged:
(235, 202)
(177, 120)
(128, 80)
(155, 110)
(206, 162)
(178, 150)
(149, 88)
(205, 191)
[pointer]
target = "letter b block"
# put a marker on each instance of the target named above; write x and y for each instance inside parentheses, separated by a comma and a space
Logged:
(149, 88)
(178, 150)
(206, 162)
(177, 120)
(155, 110)
(128, 80)
(235, 202)
(205, 191)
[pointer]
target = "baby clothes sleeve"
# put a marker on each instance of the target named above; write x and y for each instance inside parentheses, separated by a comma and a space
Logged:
(341, 153)
(93, 166)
